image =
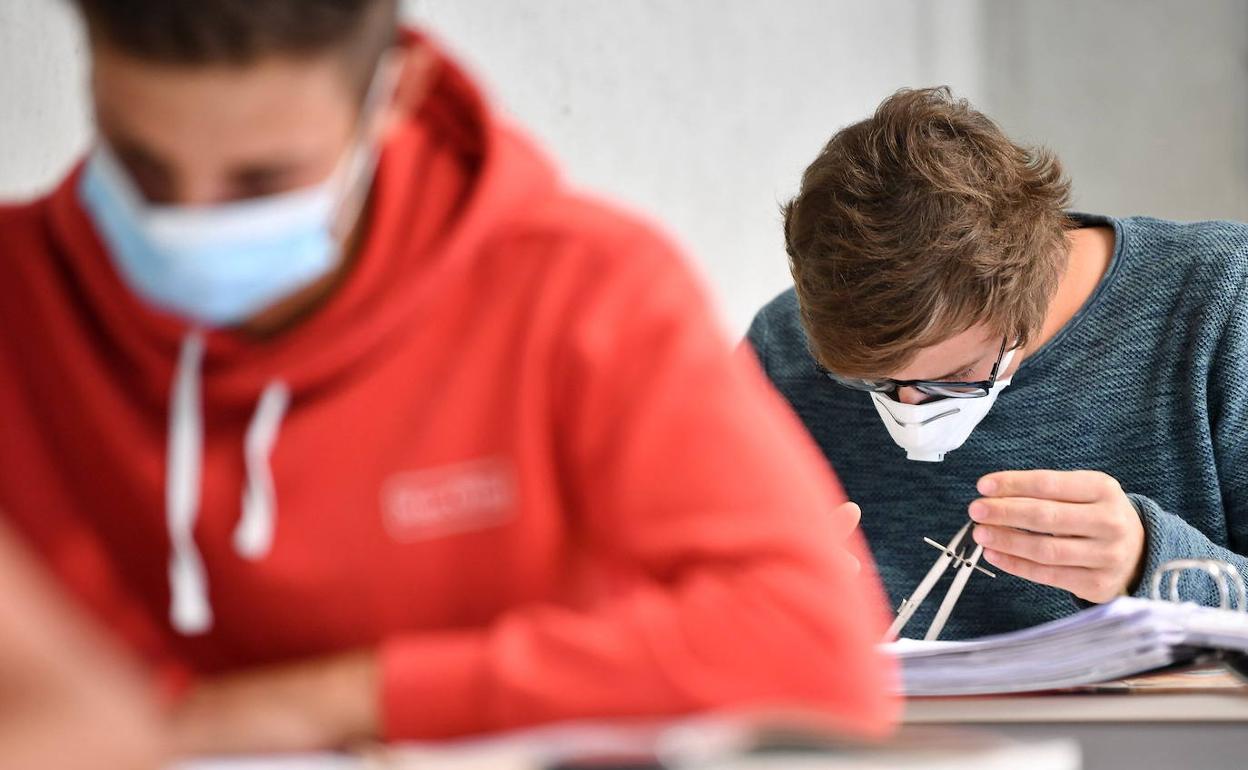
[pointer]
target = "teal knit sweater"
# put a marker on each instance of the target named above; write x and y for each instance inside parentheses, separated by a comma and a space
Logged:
(1148, 383)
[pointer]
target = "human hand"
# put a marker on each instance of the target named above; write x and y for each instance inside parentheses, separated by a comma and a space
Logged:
(850, 510)
(1075, 530)
(319, 704)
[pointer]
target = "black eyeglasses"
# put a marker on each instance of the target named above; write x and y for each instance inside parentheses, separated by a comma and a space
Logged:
(940, 388)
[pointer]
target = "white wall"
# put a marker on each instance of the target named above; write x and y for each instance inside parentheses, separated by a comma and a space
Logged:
(43, 102)
(701, 112)
(704, 112)
(1145, 100)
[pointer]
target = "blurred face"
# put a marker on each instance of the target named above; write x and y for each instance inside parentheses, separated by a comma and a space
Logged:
(966, 357)
(215, 133)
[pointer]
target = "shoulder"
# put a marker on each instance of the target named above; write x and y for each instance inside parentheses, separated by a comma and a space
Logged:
(1213, 254)
(592, 251)
(779, 339)
(1185, 281)
(23, 238)
(1187, 273)
(591, 229)
(19, 220)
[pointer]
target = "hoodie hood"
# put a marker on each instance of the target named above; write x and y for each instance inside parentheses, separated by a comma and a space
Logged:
(440, 189)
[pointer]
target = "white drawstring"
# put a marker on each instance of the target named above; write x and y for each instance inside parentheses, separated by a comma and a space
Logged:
(190, 612)
(254, 535)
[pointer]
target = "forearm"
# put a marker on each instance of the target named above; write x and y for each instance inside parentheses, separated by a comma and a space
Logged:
(720, 635)
(1169, 537)
(323, 703)
(68, 700)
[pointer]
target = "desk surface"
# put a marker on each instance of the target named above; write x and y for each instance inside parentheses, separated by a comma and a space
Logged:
(1058, 708)
(1183, 719)
(1199, 693)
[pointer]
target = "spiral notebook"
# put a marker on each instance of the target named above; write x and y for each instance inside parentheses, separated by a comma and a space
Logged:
(1122, 638)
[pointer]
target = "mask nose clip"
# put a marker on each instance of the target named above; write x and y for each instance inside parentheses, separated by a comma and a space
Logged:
(942, 415)
(902, 423)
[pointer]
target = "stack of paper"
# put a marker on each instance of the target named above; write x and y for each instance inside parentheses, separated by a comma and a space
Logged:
(1124, 637)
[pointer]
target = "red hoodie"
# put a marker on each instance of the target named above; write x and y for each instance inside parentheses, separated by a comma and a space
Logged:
(512, 452)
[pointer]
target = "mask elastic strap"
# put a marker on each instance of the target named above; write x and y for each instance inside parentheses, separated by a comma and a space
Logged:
(361, 160)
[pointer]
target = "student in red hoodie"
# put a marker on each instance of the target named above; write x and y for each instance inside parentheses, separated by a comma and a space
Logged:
(324, 390)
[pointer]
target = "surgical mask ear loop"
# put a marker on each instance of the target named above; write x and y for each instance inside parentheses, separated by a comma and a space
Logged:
(360, 164)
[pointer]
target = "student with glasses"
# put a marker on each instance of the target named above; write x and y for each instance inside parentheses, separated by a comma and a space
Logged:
(959, 343)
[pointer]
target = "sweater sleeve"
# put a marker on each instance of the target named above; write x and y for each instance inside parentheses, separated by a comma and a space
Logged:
(1169, 535)
(725, 579)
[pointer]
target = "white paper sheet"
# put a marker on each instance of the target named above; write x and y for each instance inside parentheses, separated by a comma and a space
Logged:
(1124, 637)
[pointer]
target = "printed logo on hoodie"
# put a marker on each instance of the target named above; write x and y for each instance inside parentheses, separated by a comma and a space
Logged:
(448, 500)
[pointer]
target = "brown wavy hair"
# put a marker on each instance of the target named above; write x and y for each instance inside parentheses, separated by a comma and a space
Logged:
(918, 223)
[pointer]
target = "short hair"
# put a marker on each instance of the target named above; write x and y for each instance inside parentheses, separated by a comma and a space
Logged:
(918, 223)
(242, 32)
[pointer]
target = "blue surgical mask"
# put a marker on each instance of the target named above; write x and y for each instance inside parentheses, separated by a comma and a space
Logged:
(220, 264)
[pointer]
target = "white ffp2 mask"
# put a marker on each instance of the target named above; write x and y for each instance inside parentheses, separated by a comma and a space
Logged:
(930, 430)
